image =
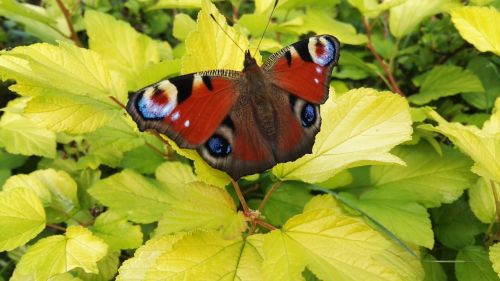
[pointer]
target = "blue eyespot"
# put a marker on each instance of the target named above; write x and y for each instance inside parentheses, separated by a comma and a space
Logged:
(218, 146)
(308, 115)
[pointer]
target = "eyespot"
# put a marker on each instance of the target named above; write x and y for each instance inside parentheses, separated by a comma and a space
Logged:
(218, 146)
(308, 115)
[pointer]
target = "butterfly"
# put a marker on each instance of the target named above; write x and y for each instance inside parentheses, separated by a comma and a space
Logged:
(244, 122)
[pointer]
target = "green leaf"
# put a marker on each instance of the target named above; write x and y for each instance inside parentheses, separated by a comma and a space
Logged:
(455, 225)
(194, 255)
(130, 194)
(209, 46)
(477, 26)
(176, 4)
(404, 18)
(183, 25)
(21, 217)
(65, 69)
(145, 257)
(10, 161)
(22, 136)
(372, 8)
(360, 128)
(408, 220)
(288, 200)
(107, 144)
(124, 49)
(482, 201)
(489, 74)
(56, 189)
(446, 80)
(475, 265)
(175, 174)
(333, 246)
(494, 255)
(433, 269)
(4, 175)
(116, 231)
(482, 146)
(143, 158)
(428, 178)
(108, 266)
(73, 114)
(198, 206)
(158, 71)
(61, 253)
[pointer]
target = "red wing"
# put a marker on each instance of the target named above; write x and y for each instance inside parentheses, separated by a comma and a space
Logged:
(304, 68)
(187, 108)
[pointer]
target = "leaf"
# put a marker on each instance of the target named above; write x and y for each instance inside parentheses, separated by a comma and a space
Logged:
(475, 265)
(494, 255)
(130, 194)
(11, 161)
(209, 46)
(428, 178)
(183, 25)
(198, 206)
(175, 174)
(433, 269)
(446, 80)
(404, 18)
(116, 231)
(372, 8)
(193, 257)
(359, 128)
(455, 225)
(106, 145)
(489, 74)
(108, 266)
(477, 25)
(72, 114)
(407, 220)
(482, 201)
(320, 21)
(158, 71)
(334, 247)
(124, 49)
(145, 257)
(22, 136)
(482, 146)
(21, 218)
(176, 4)
(65, 69)
(144, 159)
(61, 253)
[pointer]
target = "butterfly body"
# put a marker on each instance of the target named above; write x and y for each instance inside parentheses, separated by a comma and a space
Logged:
(244, 122)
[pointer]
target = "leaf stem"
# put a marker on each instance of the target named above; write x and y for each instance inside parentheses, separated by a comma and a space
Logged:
(57, 227)
(265, 225)
(268, 195)
(392, 82)
(119, 103)
(67, 17)
(497, 207)
(243, 202)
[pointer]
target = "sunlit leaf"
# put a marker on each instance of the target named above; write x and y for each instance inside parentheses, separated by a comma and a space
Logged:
(107, 266)
(404, 18)
(446, 80)
(198, 206)
(21, 217)
(183, 24)
(372, 8)
(494, 255)
(117, 232)
(130, 194)
(478, 25)
(176, 4)
(175, 174)
(482, 200)
(359, 128)
(61, 253)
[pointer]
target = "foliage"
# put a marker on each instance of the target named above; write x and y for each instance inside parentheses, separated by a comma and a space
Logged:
(402, 182)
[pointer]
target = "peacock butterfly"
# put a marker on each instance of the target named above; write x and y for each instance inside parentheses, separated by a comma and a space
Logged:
(244, 122)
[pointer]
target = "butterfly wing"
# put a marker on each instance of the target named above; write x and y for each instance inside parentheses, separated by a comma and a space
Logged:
(304, 68)
(188, 108)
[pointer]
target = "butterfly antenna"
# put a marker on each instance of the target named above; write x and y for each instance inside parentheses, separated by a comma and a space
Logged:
(267, 25)
(225, 32)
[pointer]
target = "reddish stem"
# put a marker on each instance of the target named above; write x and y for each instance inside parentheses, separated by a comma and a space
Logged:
(67, 17)
(268, 195)
(243, 202)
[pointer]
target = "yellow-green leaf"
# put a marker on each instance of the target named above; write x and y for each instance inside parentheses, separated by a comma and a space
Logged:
(198, 206)
(126, 50)
(61, 253)
(175, 174)
(209, 47)
(479, 26)
(176, 4)
(129, 193)
(183, 25)
(206, 256)
(404, 18)
(359, 128)
(372, 8)
(117, 232)
(482, 201)
(21, 217)
(494, 255)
